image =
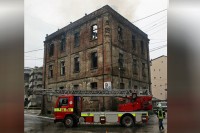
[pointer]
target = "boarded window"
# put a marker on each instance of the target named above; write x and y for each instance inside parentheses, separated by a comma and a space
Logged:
(76, 39)
(51, 50)
(119, 33)
(94, 60)
(50, 71)
(94, 32)
(76, 64)
(62, 68)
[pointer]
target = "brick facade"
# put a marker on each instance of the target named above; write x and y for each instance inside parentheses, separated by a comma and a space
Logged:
(114, 37)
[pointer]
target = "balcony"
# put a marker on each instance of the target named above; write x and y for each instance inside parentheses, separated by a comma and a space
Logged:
(39, 76)
(39, 83)
(31, 78)
(26, 85)
(31, 85)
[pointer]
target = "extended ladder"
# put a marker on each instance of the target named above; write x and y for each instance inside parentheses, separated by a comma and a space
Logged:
(89, 93)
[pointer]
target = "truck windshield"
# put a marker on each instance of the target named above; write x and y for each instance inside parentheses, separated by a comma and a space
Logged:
(63, 102)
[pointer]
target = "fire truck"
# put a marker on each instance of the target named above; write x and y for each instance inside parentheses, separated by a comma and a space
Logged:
(68, 107)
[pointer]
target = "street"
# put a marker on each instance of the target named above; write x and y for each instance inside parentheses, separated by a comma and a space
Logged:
(35, 124)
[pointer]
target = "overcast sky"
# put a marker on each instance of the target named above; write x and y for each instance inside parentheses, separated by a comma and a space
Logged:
(47, 16)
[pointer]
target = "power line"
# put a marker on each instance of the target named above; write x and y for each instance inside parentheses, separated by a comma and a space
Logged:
(33, 50)
(154, 26)
(35, 59)
(158, 42)
(157, 31)
(149, 15)
(153, 22)
(157, 48)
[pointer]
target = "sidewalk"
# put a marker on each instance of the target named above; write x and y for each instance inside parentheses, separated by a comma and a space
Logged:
(36, 113)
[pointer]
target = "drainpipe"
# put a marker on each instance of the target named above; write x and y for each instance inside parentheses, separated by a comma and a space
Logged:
(103, 62)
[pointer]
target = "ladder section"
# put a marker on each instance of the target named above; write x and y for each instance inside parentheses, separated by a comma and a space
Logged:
(89, 93)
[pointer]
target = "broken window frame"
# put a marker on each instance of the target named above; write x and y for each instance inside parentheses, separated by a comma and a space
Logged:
(61, 87)
(76, 64)
(94, 32)
(121, 61)
(142, 47)
(94, 60)
(76, 87)
(50, 75)
(143, 70)
(51, 50)
(76, 39)
(93, 86)
(62, 44)
(120, 33)
(135, 87)
(62, 68)
(122, 86)
(135, 66)
(133, 42)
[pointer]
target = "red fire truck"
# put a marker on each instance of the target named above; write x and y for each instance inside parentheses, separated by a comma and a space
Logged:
(68, 107)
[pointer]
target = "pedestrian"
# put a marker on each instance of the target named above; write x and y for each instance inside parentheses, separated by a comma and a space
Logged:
(161, 116)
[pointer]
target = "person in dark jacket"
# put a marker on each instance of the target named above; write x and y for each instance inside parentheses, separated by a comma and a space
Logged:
(161, 115)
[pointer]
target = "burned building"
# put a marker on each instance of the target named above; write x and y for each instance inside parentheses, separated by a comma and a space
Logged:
(100, 47)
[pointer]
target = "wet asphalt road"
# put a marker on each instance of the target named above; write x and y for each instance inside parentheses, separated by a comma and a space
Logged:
(33, 124)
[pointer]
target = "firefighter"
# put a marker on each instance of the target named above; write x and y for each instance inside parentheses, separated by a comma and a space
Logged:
(161, 116)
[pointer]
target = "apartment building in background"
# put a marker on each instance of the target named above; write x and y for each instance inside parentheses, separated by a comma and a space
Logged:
(100, 47)
(159, 77)
(33, 80)
(27, 71)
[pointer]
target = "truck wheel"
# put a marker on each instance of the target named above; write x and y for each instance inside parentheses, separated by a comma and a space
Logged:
(68, 122)
(127, 121)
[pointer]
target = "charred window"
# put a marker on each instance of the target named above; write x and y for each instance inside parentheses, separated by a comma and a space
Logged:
(119, 33)
(134, 66)
(142, 47)
(51, 49)
(62, 68)
(50, 71)
(94, 32)
(121, 60)
(94, 60)
(135, 87)
(143, 70)
(76, 87)
(62, 87)
(121, 85)
(76, 39)
(133, 42)
(62, 43)
(76, 64)
(94, 85)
